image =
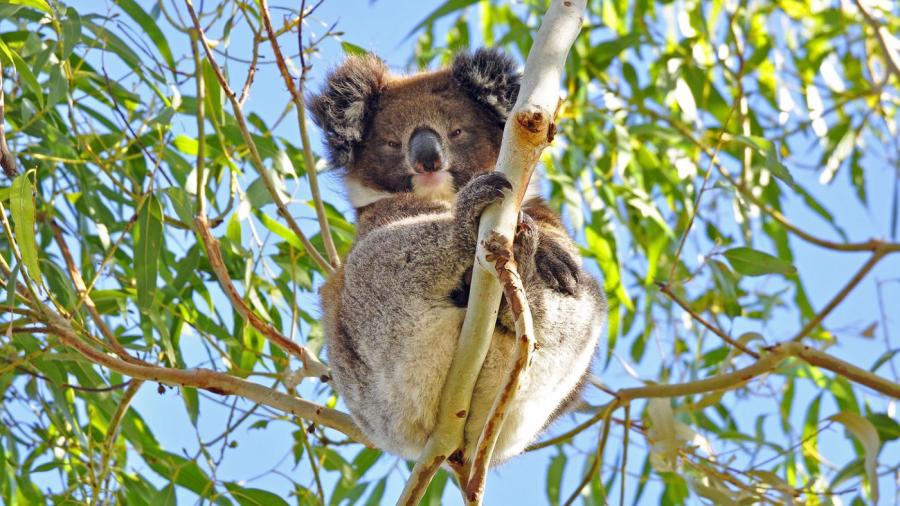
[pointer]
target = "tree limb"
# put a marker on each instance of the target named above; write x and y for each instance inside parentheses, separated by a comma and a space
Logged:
(528, 130)
(206, 379)
(311, 364)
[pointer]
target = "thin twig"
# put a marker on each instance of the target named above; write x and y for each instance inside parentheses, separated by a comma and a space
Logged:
(597, 463)
(206, 379)
(7, 159)
(201, 127)
(82, 291)
(311, 364)
(626, 428)
(667, 289)
(841, 295)
(300, 106)
(703, 188)
(255, 157)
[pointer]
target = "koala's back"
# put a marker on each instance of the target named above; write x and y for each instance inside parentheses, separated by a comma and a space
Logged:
(392, 329)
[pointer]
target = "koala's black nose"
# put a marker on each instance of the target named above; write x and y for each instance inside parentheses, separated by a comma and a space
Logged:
(425, 150)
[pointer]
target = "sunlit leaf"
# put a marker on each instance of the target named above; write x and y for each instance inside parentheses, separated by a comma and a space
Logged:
(865, 433)
(147, 246)
(751, 262)
(21, 204)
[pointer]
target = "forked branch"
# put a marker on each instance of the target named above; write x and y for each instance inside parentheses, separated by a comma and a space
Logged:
(528, 130)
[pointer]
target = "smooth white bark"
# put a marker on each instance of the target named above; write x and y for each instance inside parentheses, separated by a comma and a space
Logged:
(528, 131)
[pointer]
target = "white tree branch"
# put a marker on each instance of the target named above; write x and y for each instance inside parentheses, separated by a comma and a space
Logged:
(528, 131)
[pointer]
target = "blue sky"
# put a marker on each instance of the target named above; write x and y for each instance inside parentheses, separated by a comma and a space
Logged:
(382, 27)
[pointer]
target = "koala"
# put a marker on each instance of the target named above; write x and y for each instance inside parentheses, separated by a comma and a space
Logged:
(418, 154)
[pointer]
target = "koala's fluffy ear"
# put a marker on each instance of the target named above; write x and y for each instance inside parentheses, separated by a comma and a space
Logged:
(345, 105)
(490, 77)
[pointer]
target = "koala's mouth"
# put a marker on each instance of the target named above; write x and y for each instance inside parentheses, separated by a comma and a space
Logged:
(434, 185)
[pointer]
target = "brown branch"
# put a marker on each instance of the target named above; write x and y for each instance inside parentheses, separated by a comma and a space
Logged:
(851, 372)
(298, 99)
(767, 363)
(7, 160)
(255, 158)
(213, 381)
(311, 365)
(667, 289)
(84, 295)
(499, 251)
(842, 294)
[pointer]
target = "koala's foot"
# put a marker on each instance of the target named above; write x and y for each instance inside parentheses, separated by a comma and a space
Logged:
(525, 246)
(482, 191)
(556, 267)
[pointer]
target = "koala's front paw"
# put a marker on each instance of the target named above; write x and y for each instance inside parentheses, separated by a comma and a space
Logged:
(556, 267)
(482, 191)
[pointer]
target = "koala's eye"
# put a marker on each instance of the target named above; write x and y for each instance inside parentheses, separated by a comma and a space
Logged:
(393, 144)
(455, 133)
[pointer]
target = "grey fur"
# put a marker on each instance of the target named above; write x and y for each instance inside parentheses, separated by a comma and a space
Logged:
(393, 311)
(490, 77)
(392, 328)
(346, 103)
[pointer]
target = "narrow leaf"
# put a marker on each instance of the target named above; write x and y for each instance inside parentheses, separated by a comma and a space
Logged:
(147, 247)
(150, 27)
(865, 432)
(751, 262)
(21, 204)
(34, 4)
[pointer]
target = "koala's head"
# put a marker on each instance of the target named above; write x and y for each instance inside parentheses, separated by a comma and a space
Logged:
(427, 133)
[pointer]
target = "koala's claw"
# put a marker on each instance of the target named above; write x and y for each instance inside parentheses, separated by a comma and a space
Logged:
(482, 191)
(556, 267)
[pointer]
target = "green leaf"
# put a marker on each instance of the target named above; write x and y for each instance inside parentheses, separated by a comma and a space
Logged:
(147, 247)
(377, 493)
(888, 428)
(254, 496)
(150, 27)
(182, 202)
(554, 477)
(353, 49)
(810, 438)
(183, 472)
(34, 4)
(751, 262)
(21, 204)
(865, 433)
(59, 86)
(766, 149)
(447, 8)
(71, 33)
(25, 72)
